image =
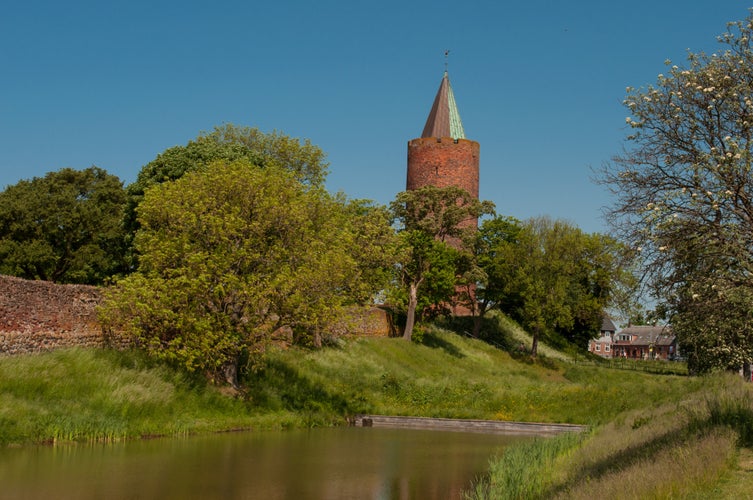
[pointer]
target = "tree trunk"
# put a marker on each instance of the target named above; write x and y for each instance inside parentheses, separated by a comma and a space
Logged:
(476, 325)
(230, 371)
(317, 338)
(535, 343)
(411, 315)
(478, 314)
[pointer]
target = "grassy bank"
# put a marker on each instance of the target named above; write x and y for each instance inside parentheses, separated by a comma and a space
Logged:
(101, 395)
(98, 395)
(638, 419)
(688, 449)
(451, 376)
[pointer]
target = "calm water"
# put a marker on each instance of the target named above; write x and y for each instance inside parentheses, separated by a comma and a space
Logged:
(341, 463)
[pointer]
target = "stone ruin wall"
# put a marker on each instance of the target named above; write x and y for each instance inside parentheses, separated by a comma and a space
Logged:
(38, 316)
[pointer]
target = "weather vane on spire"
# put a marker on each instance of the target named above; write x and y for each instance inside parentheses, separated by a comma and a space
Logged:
(446, 59)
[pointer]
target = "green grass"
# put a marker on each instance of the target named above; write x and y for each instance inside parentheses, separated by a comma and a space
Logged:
(687, 449)
(99, 395)
(525, 470)
(80, 394)
(448, 375)
(689, 426)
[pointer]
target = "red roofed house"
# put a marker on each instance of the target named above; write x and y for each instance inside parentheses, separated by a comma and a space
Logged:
(645, 342)
(602, 346)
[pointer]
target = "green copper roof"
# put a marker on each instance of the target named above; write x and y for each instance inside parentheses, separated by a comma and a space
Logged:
(444, 118)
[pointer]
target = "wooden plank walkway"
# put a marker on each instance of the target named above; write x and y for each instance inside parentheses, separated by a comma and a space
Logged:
(465, 425)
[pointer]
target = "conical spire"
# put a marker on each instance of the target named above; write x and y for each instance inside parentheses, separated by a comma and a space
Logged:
(444, 119)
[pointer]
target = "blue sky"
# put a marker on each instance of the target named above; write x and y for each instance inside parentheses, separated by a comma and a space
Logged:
(539, 84)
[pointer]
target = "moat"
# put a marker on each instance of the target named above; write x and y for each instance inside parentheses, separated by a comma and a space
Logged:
(339, 463)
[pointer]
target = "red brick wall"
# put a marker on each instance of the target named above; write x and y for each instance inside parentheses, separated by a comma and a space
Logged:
(39, 315)
(443, 162)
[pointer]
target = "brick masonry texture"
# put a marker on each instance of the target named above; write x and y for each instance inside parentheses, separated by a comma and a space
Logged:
(443, 162)
(38, 316)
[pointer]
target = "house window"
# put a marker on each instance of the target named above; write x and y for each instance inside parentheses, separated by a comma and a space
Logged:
(606, 348)
(598, 347)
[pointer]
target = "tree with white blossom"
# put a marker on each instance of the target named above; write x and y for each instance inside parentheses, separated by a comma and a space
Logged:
(684, 197)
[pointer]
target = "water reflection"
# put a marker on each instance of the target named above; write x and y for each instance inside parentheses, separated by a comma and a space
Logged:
(342, 463)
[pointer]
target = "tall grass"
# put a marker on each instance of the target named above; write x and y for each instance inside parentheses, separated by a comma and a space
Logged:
(90, 395)
(674, 450)
(732, 408)
(98, 395)
(524, 470)
(449, 375)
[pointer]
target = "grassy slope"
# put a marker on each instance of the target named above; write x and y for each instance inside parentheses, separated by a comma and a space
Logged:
(96, 395)
(451, 376)
(101, 395)
(697, 447)
(90, 395)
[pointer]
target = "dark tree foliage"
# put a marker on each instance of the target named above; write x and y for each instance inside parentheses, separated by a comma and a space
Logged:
(486, 271)
(64, 227)
(549, 276)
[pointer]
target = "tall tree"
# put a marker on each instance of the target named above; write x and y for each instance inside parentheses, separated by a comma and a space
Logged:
(684, 195)
(229, 143)
(64, 227)
(229, 255)
(427, 274)
(306, 161)
(374, 248)
(550, 276)
(484, 282)
(431, 224)
(540, 275)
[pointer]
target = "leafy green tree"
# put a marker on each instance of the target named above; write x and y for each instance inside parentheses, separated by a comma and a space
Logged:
(374, 249)
(229, 255)
(229, 143)
(64, 227)
(684, 195)
(722, 339)
(539, 279)
(486, 272)
(550, 276)
(427, 274)
(599, 280)
(431, 226)
(306, 161)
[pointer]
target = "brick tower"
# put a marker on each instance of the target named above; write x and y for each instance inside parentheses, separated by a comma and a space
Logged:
(442, 156)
